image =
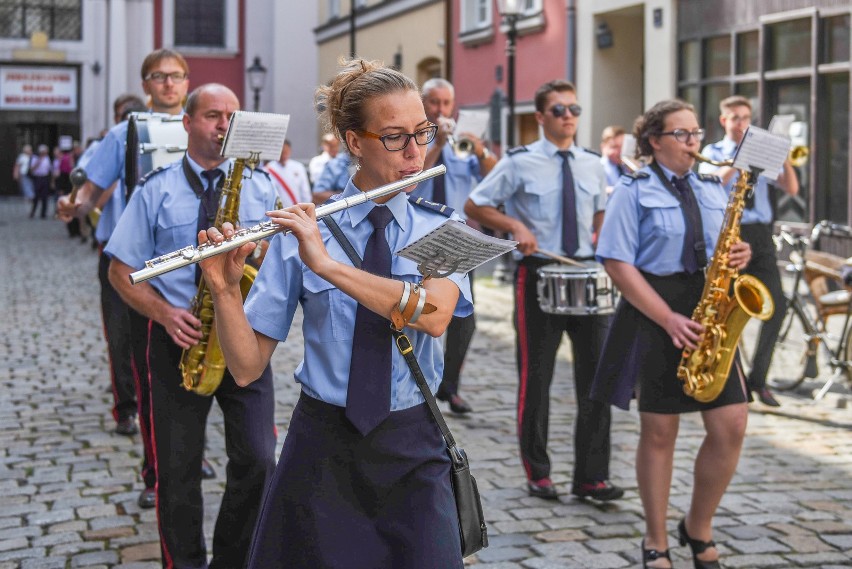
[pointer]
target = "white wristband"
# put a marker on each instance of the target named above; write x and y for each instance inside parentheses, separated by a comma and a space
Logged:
(421, 302)
(406, 292)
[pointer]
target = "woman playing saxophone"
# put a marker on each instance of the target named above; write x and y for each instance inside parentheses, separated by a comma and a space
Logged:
(659, 233)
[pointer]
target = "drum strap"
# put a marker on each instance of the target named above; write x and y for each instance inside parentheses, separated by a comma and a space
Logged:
(694, 255)
(131, 157)
(284, 184)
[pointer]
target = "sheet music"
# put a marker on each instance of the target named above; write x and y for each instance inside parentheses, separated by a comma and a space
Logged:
(255, 132)
(628, 147)
(473, 122)
(780, 124)
(454, 241)
(762, 150)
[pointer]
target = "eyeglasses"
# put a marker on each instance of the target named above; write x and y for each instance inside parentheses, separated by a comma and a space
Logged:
(158, 77)
(559, 110)
(683, 135)
(397, 142)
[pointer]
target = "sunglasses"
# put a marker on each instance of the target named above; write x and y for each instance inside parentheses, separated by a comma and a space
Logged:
(558, 110)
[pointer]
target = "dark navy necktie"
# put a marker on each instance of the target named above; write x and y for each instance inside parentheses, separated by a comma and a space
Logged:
(570, 241)
(207, 207)
(369, 392)
(439, 189)
(689, 257)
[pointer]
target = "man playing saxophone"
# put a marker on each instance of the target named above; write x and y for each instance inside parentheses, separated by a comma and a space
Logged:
(166, 211)
(756, 230)
(660, 230)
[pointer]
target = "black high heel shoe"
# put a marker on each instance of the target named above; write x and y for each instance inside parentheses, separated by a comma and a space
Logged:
(697, 546)
(653, 555)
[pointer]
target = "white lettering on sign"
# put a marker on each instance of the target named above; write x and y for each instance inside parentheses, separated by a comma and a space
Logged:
(38, 88)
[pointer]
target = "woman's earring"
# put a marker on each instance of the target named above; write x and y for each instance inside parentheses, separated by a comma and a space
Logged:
(358, 163)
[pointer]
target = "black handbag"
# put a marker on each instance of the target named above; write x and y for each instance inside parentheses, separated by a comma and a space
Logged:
(472, 528)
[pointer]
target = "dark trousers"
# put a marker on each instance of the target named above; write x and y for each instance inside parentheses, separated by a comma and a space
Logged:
(115, 313)
(538, 335)
(340, 500)
(459, 335)
(139, 331)
(179, 418)
(764, 266)
(41, 187)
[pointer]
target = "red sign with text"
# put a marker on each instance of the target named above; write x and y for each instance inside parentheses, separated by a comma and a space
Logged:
(38, 88)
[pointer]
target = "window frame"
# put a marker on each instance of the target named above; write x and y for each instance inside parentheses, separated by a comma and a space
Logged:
(231, 37)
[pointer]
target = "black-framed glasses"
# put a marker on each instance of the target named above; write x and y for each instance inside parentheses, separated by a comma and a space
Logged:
(683, 135)
(558, 110)
(158, 77)
(398, 141)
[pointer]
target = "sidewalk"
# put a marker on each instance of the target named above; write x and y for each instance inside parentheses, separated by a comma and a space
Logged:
(68, 485)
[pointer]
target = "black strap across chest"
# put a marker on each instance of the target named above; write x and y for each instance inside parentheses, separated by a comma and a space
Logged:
(694, 233)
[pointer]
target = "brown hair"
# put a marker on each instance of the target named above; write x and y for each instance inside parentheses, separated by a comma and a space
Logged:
(653, 122)
(611, 132)
(728, 103)
(155, 57)
(555, 86)
(340, 105)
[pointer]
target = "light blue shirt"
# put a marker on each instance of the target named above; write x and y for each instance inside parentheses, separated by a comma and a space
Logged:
(725, 150)
(612, 171)
(461, 177)
(105, 167)
(162, 216)
(644, 223)
(87, 155)
(528, 181)
(335, 175)
(328, 323)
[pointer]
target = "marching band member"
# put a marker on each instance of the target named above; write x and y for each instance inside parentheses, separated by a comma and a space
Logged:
(756, 230)
(655, 258)
(165, 78)
(363, 480)
(463, 173)
(554, 193)
(167, 210)
(289, 178)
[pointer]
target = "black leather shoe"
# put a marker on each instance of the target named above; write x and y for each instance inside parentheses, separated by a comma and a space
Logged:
(459, 405)
(207, 472)
(542, 489)
(765, 396)
(603, 491)
(147, 498)
(652, 555)
(127, 426)
(698, 547)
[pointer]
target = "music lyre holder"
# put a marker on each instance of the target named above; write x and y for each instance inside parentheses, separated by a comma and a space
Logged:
(431, 268)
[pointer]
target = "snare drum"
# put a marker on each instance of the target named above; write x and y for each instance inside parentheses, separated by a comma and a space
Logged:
(153, 140)
(576, 291)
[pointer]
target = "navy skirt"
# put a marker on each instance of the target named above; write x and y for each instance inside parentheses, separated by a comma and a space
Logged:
(342, 500)
(639, 352)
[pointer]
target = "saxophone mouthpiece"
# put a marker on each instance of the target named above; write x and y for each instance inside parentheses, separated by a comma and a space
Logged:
(220, 137)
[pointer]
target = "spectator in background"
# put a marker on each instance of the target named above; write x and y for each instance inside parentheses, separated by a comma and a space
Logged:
(21, 172)
(330, 146)
(62, 167)
(612, 139)
(335, 175)
(40, 172)
(289, 178)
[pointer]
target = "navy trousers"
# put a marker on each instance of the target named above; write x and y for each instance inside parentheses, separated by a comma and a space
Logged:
(339, 500)
(459, 335)
(179, 418)
(139, 332)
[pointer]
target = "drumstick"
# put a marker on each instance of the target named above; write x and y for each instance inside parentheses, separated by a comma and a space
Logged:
(560, 258)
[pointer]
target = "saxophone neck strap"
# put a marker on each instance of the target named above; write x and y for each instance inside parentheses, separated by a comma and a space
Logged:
(195, 182)
(691, 217)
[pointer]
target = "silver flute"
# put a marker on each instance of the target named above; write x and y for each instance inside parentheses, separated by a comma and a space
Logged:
(192, 254)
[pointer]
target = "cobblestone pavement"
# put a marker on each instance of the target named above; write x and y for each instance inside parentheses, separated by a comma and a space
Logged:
(68, 485)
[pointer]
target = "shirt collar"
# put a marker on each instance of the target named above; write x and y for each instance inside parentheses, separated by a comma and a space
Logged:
(397, 205)
(223, 167)
(551, 149)
(669, 174)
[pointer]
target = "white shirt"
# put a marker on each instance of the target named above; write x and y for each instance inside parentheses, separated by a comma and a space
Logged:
(290, 181)
(23, 164)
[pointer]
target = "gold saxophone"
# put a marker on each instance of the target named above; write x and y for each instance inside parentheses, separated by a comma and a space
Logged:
(202, 366)
(723, 309)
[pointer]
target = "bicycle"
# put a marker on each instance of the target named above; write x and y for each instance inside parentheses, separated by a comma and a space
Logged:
(807, 321)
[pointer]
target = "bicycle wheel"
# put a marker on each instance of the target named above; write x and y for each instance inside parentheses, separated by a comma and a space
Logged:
(796, 351)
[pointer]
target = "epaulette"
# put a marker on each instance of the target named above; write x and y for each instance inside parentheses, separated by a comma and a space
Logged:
(710, 178)
(262, 171)
(516, 150)
(151, 174)
(444, 210)
(598, 154)
(633, 176)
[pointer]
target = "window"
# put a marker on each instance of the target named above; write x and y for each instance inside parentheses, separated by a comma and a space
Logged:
(748, 52)
(333, 9)
(690, 61)
(200, 23)
(529, 7)
(360, 4)
(717, 56)
(476, 14)
(789, 44)
(60, 19)
(834, 43)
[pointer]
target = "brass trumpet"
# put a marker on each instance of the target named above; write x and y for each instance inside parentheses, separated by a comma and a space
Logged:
(798, 156)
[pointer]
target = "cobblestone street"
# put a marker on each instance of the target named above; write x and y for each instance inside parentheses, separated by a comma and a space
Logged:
(68, 484)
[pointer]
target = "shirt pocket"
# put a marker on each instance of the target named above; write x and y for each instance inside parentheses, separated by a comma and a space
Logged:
(176, 226)
(663, 212)
(330, 311)
(713, 206)
(543, 198)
